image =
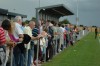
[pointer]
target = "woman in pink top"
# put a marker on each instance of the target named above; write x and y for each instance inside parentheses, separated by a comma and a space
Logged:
(8, 27)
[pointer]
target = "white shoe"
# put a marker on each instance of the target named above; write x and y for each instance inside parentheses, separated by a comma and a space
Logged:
(32, 64)
(59, 50)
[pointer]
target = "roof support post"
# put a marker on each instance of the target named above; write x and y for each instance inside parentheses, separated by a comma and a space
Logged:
(37, 22)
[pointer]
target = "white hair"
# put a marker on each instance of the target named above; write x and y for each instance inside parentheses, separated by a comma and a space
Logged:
(50, 24)
(17, 18)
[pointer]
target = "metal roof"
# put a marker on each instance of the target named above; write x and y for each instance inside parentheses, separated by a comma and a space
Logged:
(16, 14)
(3, 11)
(7, 13)
(56, 10)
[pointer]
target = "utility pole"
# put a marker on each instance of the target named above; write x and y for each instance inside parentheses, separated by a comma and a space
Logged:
(77, 17)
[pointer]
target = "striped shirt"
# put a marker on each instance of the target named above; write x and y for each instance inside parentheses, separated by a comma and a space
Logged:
(2, 36)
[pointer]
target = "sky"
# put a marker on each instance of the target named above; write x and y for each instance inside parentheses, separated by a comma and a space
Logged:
(88, 9)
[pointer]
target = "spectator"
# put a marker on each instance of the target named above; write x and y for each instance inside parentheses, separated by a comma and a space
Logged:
(28, 30)
(49, 50)
(59, 32)
(18, 33)
(84, 30)
(8, 27)
(62, 36)
(54, 27)
(96, 32)
(43, 42)
(2, 45)
(35, 32)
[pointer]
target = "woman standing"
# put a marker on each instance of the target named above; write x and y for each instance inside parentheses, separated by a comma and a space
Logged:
(11, 40)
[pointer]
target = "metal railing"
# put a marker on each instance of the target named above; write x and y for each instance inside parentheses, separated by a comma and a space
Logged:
(81, 34)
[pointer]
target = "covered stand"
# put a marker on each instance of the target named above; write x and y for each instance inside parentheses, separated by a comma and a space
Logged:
(53, 12)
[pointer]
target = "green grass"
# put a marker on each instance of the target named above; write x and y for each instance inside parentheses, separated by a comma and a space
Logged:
(85, 52)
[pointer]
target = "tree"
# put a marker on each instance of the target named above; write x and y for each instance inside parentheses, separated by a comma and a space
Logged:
(27, 21)
(81, 25)
(65, 22)
(33, 18)
(93, 26)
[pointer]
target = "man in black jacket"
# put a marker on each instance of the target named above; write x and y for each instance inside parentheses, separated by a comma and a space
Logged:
(96, 32)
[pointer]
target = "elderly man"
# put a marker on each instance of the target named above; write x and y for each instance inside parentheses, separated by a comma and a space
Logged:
(18, 33)
(18, 27)
(29, 47)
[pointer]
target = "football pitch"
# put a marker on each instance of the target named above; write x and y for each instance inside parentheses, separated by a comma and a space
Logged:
(85, 52)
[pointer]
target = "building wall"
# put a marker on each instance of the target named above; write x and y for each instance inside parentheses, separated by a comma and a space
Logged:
(2, 18)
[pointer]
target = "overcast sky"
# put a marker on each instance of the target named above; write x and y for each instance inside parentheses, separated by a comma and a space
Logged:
(88, 9)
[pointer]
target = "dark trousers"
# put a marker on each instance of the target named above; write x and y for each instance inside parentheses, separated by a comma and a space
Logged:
(35, 53)
(95, 35)
(49, 50)
(58, 43)
(19, 57)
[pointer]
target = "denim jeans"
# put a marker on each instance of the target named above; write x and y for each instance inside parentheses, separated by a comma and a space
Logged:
(19, 57)
(30, 55)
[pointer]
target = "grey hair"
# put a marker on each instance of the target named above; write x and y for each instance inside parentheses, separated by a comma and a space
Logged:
(17, 18)
(31, 22)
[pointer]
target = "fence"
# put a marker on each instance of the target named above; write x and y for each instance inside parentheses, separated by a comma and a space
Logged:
(73, 38)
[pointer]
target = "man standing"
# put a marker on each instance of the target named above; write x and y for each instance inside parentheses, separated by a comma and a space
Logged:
(49, 49)
(96, 32)
(30, 47)
(18, 33)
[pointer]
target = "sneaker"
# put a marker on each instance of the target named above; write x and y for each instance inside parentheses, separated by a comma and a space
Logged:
(32, 64)
(59, 50)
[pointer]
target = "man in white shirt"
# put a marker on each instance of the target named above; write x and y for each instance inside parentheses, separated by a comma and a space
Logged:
(28, 30)
(18, 33)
